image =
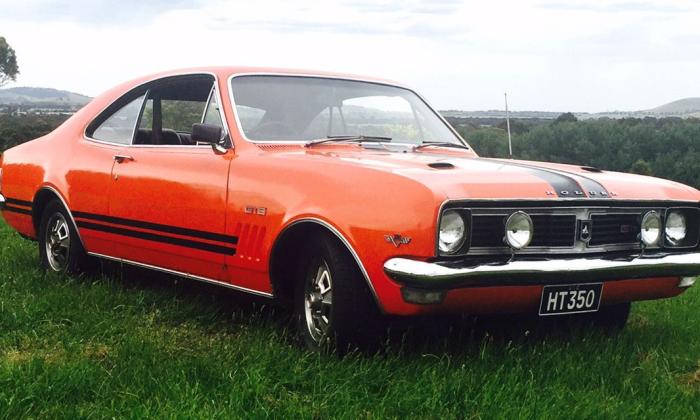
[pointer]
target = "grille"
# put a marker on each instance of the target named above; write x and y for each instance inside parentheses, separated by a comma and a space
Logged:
(609, 229)
(549, 230)
(552, 230)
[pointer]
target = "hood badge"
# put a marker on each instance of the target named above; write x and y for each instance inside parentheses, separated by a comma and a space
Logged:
(591, 193)
(585, 229)
(397, 240)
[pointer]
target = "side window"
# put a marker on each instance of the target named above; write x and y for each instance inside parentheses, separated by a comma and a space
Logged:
(172, 106)
(179, 115)
(212, 115)
(119, 127)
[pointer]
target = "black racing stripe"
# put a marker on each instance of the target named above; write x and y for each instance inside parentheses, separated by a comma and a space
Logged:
(17, 210)
(593, 188)
(14, 201)
(156, 226)
(158, 238)
(563, 185)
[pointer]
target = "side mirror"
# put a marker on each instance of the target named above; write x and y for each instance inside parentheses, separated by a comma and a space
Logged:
(206, 133)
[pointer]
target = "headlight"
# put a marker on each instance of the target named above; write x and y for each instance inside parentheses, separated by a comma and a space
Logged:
(675, 229)
(519, 230)
(651, 228)
(452, 232)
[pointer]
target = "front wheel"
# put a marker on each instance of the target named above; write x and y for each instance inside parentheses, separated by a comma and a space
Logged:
(60, 249)
(333, 305)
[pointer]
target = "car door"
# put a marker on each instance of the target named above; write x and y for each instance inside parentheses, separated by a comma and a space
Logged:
(167, 204)
(91, 168)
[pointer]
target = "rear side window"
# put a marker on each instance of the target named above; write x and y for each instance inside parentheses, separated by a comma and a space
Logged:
(119, 127)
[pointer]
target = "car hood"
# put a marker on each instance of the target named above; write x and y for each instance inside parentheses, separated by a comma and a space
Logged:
(463, 175)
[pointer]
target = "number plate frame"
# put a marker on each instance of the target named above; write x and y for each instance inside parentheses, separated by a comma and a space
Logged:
(561, 302)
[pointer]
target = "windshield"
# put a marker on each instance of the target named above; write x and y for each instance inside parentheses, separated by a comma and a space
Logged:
(294, 108)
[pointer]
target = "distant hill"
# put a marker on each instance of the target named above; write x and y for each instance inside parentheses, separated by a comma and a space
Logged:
(683, 108)
(679, 107)
(41, 97)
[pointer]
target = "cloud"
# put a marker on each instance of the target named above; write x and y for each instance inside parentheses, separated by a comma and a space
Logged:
(619, 6)
(90, 12)
(460, 54)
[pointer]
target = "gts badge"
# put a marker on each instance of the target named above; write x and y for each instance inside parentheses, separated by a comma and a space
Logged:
(397, 240)
(260, 211)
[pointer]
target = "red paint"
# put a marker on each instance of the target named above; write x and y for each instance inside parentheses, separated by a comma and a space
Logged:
(364, 194)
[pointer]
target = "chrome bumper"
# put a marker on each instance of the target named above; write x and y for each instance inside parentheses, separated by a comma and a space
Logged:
(422, 274)
(2, 202)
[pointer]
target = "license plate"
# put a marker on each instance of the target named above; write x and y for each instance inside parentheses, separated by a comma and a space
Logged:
(570, 298)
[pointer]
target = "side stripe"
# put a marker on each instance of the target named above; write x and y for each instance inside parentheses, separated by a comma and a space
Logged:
(227, 250)
(19, 210)
(18, 202)
(159, 227)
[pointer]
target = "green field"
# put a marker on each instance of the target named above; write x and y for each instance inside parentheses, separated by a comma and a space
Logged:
(136, 344)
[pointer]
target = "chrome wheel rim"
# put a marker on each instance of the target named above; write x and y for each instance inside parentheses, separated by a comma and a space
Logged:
(57, 242)
(318, 300)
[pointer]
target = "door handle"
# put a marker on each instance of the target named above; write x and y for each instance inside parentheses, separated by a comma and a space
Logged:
(122, 158)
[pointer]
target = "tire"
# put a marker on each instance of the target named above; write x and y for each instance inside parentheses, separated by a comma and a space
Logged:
(333, 306)
(60, 248)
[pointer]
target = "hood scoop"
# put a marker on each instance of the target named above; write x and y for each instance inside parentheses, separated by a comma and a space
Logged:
(591, 169)
(441, 165)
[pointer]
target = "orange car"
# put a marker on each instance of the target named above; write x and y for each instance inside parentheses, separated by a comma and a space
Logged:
(347, 197)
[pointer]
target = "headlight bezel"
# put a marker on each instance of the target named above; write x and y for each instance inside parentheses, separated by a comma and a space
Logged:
(692, 233)
(651, 216)
(509, 239)
(463, 243)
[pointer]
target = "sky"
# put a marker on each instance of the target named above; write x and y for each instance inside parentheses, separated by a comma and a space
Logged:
(582, 56)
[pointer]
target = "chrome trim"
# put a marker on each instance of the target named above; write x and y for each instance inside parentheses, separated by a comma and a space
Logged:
(686, 282)
(345, 242)
(584, 211)
(65, 205)
(434, 275)
(659, 239)
(665, 239)
(154, 79)
(183, 274)
(529, 222)
(2, 202)
(325, 76)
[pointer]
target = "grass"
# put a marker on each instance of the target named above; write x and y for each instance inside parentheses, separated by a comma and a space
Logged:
(136, 344)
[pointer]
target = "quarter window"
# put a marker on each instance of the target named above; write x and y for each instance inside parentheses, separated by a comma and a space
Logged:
(119, 127)
(212, 115)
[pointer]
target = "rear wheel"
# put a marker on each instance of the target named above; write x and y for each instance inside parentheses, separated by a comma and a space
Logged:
(333, 305)
(60, 249)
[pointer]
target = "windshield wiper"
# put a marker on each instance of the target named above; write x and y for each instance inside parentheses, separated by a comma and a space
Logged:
(329, 139)
(440, 144)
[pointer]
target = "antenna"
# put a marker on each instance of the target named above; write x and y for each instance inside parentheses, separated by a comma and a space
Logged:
(510, 140)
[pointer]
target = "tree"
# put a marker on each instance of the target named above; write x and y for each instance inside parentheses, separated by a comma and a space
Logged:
(641, 167)
(566, 117)
(8, 62)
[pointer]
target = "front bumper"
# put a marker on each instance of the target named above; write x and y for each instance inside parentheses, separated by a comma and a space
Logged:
(434, 275)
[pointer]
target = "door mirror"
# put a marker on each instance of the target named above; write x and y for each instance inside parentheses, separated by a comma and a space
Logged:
(206, 133)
